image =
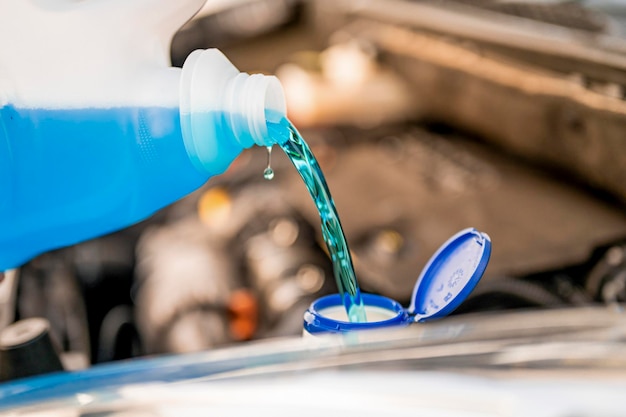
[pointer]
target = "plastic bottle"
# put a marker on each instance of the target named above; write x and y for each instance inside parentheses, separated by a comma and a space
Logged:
(97, 131)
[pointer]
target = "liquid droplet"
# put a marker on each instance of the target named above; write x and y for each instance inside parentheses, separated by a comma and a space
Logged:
(268, 174)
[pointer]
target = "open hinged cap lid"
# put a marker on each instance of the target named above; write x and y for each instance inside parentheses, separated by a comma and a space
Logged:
(450, 275)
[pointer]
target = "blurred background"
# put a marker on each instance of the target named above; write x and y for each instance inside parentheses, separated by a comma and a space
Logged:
(427, 117)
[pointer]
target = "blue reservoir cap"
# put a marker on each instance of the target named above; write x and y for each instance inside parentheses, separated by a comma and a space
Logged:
(450, 275)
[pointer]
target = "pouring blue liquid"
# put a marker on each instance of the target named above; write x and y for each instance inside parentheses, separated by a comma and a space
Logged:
(292, 143)
(69, 175)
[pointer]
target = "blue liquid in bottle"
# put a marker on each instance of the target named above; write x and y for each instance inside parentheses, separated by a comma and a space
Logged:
(303, 159)
(70, 175)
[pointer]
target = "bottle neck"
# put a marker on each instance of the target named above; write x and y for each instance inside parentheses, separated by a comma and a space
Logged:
(216, 100)
(250, 103)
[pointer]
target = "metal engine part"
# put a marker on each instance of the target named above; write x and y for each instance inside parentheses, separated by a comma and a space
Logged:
(49, 289)
(547, 92)
(191, 271)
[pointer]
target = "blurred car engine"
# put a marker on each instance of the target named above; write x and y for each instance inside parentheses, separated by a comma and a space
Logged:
(427, 117)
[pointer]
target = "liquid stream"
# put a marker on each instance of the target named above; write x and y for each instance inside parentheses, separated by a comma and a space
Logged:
(305, 163)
